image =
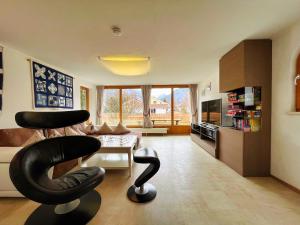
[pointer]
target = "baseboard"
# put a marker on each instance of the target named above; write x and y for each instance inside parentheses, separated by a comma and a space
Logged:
(286, 184)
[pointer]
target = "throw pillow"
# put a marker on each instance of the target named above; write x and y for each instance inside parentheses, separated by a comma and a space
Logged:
(80, 128)
(105, 129)
(79, 131)
(54, 133)
(89, 129)
(37, 136)
(71, 132)
(120, 129)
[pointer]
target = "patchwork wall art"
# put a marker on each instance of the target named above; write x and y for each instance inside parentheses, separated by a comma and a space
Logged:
(52, 89)
(1, 77)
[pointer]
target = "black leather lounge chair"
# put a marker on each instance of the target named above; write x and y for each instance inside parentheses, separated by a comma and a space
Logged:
(71, 198)
(141, 191)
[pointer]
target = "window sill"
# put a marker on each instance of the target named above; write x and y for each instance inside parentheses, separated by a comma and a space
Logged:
(294, 113)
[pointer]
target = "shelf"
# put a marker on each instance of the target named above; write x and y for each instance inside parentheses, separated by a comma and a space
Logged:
(248, 153)
(197, 131)
(241, 117)
(232, 103)
(207, 136)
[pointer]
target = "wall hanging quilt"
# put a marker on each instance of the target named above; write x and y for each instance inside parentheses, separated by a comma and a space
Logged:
(52, 89)
(1, 77)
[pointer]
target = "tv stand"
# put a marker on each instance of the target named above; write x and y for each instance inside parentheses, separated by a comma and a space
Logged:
(207, 137)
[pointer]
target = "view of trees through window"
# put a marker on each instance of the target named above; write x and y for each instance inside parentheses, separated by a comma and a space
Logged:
(182, 106)
(160, 106)
(111, 106)
(132, 107)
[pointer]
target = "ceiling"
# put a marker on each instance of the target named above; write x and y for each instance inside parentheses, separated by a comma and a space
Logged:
(184, 38)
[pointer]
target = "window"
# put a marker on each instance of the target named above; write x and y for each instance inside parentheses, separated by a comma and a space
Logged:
(111, 106)
(182, 107)
(84, 98)
(169, 106)
(132, 107)
(160, 106)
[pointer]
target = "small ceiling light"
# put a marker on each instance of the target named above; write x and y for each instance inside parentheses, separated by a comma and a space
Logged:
(126, 65)
(116, 31)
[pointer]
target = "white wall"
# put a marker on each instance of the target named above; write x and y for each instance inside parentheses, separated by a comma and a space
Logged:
(285, 162)
(17, 89)
(205, 94)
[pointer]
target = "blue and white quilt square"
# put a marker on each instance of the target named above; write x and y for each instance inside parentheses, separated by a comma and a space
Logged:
(51, 88)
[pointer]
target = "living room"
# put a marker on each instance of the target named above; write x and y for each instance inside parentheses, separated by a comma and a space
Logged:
(212, 107)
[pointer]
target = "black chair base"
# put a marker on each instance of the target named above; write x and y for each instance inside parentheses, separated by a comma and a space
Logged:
(82, 214)
(134, 194)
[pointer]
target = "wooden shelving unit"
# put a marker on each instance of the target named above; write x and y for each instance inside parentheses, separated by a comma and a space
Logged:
(245, 149)
(244, 108)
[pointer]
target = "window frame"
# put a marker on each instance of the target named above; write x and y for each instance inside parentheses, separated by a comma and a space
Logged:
(171, 86)
(297, 84)
(87, 90)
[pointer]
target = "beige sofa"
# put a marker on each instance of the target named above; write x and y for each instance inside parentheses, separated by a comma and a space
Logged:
(11, 141)
(7, 188)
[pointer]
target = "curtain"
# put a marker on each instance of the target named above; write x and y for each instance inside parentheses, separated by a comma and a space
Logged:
(194, 102)
(100, 94)
(146, 92)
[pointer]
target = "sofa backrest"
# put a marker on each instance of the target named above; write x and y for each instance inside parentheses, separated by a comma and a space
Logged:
(14, 137)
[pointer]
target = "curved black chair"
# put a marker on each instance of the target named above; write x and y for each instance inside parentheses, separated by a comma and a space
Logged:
(71, 198)
(141, 191)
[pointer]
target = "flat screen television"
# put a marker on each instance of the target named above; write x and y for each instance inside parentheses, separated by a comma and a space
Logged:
(212, 112)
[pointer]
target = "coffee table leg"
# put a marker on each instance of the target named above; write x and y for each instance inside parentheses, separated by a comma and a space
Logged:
(129, 163)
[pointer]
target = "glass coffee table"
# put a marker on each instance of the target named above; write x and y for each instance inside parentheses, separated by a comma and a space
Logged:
(115, 152)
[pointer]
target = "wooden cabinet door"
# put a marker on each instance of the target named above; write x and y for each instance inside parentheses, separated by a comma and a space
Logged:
(231, 148)
(232, 69)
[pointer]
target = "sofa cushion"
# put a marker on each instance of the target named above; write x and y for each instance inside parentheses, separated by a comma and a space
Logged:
(90, 129)
(15, 137)
(78, 130)
(70, 132)
(120, 129)
(79, 127)
(37, 136)
(56, 132)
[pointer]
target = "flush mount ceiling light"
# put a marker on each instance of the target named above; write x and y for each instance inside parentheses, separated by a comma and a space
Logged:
(126, 65)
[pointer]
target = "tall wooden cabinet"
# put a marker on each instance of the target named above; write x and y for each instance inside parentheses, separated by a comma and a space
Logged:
(249, 64)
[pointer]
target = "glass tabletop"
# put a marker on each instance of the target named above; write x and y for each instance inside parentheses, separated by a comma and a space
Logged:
(118, 140)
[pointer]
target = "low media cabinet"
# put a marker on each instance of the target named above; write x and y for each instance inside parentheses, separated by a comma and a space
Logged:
(207, 137)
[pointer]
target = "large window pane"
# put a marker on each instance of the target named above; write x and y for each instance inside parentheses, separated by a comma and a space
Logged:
(132, 107)
(161, 106)
(111, 106)
(182, 108)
